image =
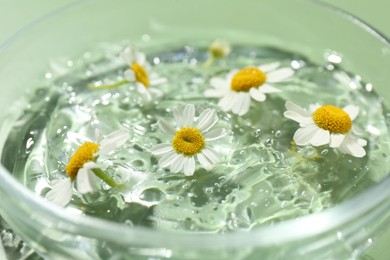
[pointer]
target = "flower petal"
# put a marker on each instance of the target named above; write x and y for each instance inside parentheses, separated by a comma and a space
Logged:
(128, 55)
(228, 101)
(189, 166)
(211, 155)
(269, 66)
(112, 141)
(362, 142)
(352, 111)
(61, 193)
(160, 149)
(206, 164)
(165, 127)
(353, 148)
(189, 114)
(140, 58)
(257, 94)
(177, 164)
(215, 134)
(129, 75)
(179, 117)
(266, 88)
(320, 137)
(206, 119)
(154, 81)
(219, 83)
(86, 181)
(303, 120)
(280, 75)
(242, 104)
(167, 159)
(303, 135)
(336, 140)
(295, 108)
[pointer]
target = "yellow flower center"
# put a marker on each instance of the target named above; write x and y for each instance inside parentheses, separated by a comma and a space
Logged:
(85, 153)
(188, 141)
(140, 74)
(333, 119)
(247, 78)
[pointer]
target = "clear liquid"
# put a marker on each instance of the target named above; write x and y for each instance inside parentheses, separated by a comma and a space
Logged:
(261, 178)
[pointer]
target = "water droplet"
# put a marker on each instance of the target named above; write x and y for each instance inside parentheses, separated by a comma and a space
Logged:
(152, 195)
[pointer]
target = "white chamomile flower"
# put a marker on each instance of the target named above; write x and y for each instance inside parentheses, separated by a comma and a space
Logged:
(189, 140)
(140, 72)
(83, 169)
(327, 124)
(240, 86)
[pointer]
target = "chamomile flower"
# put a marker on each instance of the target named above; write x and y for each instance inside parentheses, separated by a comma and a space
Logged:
(237, 89)
(328, 124)
(83, 169)
(217, 50)
(140, 72)
(189, 140)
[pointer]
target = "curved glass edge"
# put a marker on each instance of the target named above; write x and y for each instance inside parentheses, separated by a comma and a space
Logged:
(264, 236)
(16, 35)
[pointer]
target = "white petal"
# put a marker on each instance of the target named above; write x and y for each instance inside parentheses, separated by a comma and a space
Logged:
(244, 104)
(266, 88)
(362, 142)
(354, 148)
(219, 83)
(61, 193)
(166, 127)
(303, 120)
(154, 81)
(352, 111)
(295, 108)
(314, 107)
(206, 164)
(189, 114)
(179, 117)
(140, 58)
(215, 93)
(129, 75)
(160, 149)
(141, 88)
(177, 164)
(128, 55)
(357, 130)
(280, 75)
(228, 101)
(86, 181)
(257, 94)
(269, 66)
(112, 141)
(336, 140)
(90, 165)
(147, 95)
(211, 155)
(320, 137)
(303, 135)
(215, 134)
(206, 119)
(189, 166)
(167, 159)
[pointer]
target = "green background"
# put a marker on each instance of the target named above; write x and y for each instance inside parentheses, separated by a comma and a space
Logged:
(15, 14)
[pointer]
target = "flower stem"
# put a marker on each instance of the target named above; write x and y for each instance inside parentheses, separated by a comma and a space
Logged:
(210, 61)
(107, 179)
(107, 86)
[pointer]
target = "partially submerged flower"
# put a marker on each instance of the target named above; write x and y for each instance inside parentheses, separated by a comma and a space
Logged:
(140, 72)
(83, 169)
(327, 124)
(217, 50)
(237, 89)
(189, 140)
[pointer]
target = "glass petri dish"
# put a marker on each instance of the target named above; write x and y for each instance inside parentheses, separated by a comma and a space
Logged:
(310, 29)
